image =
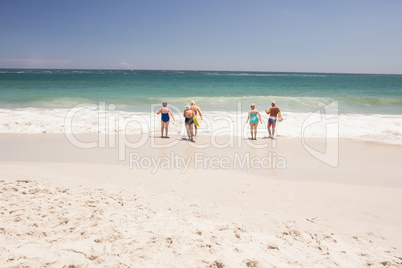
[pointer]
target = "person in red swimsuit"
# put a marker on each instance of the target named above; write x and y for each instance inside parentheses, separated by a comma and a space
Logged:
(273, 113)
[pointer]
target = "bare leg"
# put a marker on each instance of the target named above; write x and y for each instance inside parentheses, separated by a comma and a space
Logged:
(269, 131)
(255, 131)
(188, 130)
(167, 129)
(195, 130)
(191, 133)
(162, 128)
(251, 131)
(273, 132)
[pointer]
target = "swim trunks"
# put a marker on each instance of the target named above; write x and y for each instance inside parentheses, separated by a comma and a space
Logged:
(272, 121)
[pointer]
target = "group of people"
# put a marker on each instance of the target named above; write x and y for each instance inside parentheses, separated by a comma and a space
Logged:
(273, 113)
(192, 111)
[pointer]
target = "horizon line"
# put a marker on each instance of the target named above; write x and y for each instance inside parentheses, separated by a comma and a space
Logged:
(193, 70)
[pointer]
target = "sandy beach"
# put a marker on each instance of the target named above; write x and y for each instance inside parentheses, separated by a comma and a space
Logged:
(64, 206)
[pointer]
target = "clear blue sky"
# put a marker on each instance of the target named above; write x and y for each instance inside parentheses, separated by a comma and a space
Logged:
(251, 35)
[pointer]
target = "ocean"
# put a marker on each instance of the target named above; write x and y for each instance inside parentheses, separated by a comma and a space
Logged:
(364, 106)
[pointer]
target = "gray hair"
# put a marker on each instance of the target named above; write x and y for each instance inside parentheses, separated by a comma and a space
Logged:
(164, 104)
(273, 103)
(252, 106)
(187, 107)
(192, 102)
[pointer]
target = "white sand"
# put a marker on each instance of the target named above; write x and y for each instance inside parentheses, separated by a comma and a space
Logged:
(60, 208)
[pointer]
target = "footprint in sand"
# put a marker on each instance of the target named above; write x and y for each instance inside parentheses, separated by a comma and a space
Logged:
(169, 241)
(216, 264)
(251, 263)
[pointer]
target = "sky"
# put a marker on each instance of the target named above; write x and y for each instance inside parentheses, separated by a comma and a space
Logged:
(250, 35)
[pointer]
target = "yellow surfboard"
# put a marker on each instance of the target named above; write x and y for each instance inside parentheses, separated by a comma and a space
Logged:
(280, 117)
(195, 120)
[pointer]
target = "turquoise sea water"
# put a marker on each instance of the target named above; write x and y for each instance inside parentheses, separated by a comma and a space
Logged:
(366, 106)
(214, 91)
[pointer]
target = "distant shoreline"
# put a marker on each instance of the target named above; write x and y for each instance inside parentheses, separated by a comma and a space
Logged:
(200, 70)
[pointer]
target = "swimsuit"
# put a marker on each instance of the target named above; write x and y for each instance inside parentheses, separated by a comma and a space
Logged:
(273, 111)
(189, 121)
(165, 117)
(272, 121)
(253, 118)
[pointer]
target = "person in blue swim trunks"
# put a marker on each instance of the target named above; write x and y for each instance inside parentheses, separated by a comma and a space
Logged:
(254, 116)
(197, 112)
(273, 113)
(165, 119)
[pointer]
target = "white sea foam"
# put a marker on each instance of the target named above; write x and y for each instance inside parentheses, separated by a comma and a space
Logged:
(299, 104)
(266, 74)
(380, 128)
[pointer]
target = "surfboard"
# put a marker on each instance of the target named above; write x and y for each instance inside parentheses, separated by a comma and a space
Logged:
(280, 117)
(199, 119)
(195, 120)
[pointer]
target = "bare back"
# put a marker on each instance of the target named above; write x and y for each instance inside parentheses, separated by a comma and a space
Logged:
(164, 110)
(273, 111)
(188, 113)
(195, 109)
